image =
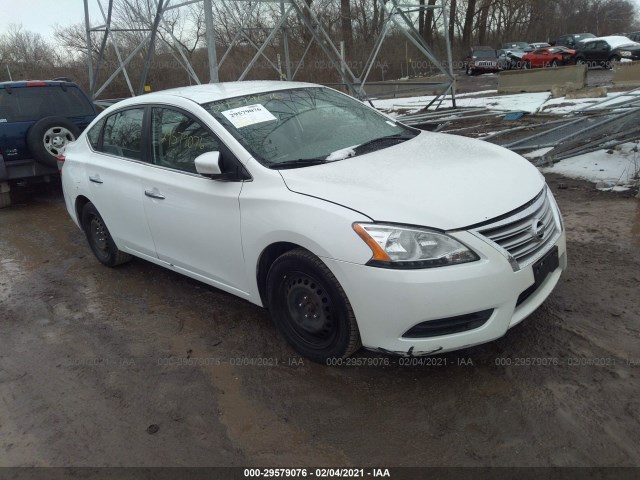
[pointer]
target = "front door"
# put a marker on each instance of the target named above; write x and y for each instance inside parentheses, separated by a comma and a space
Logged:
(194, 220)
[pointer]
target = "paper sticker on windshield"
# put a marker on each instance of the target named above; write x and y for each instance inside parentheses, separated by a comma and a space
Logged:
(249, 115)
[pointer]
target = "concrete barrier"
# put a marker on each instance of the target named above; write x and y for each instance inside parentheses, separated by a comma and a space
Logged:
(406, 87)
(626, 74)
(542, 79)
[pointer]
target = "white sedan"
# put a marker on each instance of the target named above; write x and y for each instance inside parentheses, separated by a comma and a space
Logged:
(351, 228)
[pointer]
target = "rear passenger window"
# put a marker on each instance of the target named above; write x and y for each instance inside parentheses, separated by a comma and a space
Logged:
(123, 134)
(93, 135)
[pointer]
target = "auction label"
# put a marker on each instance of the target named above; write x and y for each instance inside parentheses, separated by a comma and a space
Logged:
(249, 115)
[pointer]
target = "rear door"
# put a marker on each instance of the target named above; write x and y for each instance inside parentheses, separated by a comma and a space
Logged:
(591, 52)
(194, 220)
(113, 171)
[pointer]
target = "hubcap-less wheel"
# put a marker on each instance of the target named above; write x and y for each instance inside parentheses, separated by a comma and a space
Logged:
(99, 237)
(56, 140)
(309, 307)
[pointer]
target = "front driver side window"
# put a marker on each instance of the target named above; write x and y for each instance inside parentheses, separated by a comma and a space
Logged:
(178, 139)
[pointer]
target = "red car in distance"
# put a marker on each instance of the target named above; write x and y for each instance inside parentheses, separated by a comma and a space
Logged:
(549, 57)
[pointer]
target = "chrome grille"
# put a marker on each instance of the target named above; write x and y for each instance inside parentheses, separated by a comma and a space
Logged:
(528, 233)
(486, 64)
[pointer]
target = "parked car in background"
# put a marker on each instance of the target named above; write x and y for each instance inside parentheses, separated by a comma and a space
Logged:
(350, 227)
(539, 45)
(635, 36)
(605, 51)
(481, 60)
(38, 119)
(549, 57)
(508, 59)
(524, 46)
(510, 56)
(572, 40)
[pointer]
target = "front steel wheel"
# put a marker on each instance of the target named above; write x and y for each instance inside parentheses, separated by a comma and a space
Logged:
(310, 308)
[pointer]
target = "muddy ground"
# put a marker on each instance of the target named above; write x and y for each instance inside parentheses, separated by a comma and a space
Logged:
(93, 360)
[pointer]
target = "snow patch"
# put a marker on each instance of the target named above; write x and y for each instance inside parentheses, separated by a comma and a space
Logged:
(617, 171)
(537, 153)
(341, 154)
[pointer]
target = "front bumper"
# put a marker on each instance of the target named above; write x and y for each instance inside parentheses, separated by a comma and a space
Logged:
(387, 303)
(485, 68)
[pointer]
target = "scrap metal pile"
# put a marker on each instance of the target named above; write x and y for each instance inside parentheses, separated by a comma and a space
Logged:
(604, 124)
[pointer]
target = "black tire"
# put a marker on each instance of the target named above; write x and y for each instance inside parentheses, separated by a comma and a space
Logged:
(48, 138)
(526, 66)
(310, 308)
(554, 64)
(5, 199)
(470, 72)
(612, 60)
(99, 238)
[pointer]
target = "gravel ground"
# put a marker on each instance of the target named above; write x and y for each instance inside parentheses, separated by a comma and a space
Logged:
(140, 366)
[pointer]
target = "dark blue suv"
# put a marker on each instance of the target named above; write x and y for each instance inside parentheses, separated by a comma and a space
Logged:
(37, 121)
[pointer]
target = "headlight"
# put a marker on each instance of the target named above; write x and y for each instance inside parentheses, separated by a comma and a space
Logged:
(625, 54)
(408, 247)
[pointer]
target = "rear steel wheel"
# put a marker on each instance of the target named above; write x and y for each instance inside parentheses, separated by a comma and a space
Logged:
(99, 238)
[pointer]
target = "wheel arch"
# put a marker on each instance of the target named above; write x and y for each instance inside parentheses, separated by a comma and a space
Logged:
(269, 255)
(81, 201)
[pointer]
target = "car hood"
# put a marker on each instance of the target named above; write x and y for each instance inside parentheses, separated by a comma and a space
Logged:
(631, 48)
(435, 180)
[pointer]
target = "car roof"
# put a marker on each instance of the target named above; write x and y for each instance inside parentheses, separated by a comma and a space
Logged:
(613, 40)
(42, 83)
(212, 92)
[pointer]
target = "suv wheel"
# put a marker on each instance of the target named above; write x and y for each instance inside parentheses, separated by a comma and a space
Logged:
(48, 138)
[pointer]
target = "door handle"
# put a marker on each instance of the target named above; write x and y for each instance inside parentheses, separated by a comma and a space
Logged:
(95, 179)
(154, 194)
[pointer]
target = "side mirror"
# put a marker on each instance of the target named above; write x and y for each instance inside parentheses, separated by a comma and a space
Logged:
(208, 165)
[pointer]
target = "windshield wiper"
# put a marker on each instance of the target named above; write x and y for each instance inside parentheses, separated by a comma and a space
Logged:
(401, 137)
(300, 162)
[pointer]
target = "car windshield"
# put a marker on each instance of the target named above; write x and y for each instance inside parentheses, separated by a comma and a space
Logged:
(32, 103)
(484, 53)
(304, 126)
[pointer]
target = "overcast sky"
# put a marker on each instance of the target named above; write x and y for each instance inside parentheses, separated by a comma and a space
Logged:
(41, 15)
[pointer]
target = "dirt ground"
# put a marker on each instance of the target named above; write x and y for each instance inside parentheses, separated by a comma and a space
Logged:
(141, 366)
